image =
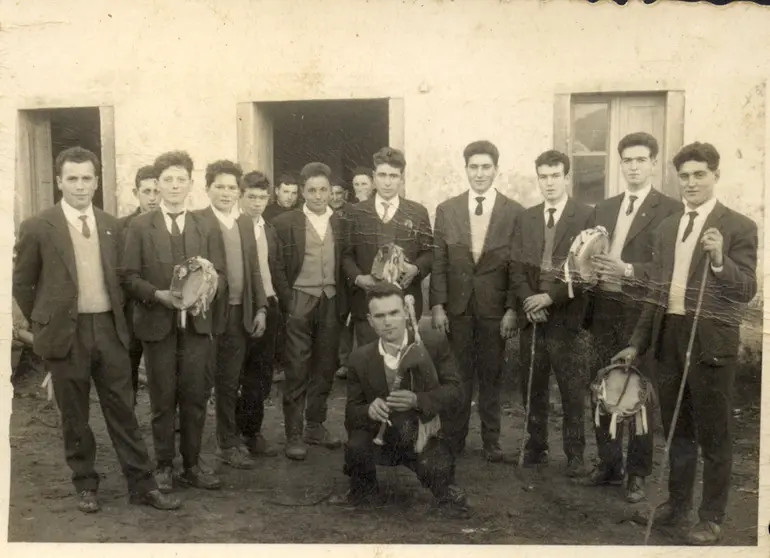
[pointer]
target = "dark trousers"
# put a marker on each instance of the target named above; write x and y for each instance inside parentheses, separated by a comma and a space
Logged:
(346, 342)
(257, 375)
(613, 323)
(478, 348)
(705, 420)
(229, 355)
(178, 375)
(364, 333)
(97, 353)
(434, 467)
(279, 357)
(135, 355)
(554, 350)
(312, 337)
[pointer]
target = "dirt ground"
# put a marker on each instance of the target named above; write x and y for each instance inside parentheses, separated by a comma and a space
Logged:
(279, 501)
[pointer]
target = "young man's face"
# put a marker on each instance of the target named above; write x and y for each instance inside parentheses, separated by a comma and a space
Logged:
(481, 171)
(286, 195)
(363, 187)
(637, 166)
(174, 184)
(387, 316)
(254, 201)
(552, 182)
(338, 197)
(148, 194)
(696, 182)
(317, 192)
(388, 181)
(224, 192)
(77, 183)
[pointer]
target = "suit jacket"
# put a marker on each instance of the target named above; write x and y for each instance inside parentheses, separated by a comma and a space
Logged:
(367, 381)
(45, 282)
(290, 232)
(274, 210)
(275, 261)
(412, 233)
(123, 223)
(253, 296)
(726, 293)
(455, 277)
(148, 266)
(527, 254)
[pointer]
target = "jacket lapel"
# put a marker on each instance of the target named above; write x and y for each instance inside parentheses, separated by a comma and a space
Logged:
(377, 377)
(494, 225)
(644, 216)
(192, 236)
(105, 245)
(463, 220)
(160, 237)
(62, 240)
(563, 225)
(699, 256)
(607, 216)
(537, 230)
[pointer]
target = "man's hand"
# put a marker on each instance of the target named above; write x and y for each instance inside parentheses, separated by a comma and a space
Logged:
(410, 272)
(609, 266)
(539, 317)
(402, 400)
(440, 319)
(508, 324)
(713, 243)
(259, 324)
(365, 282)
(537, 302)
(626, 356)
(167, 299)
(378, 410)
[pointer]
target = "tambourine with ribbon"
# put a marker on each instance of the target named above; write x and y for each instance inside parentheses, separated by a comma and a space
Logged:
(578, 266)
(388, 264)
(195, 282)
(622, 392)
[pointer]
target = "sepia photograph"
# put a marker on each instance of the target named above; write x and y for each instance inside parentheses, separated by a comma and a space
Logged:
(470, 272)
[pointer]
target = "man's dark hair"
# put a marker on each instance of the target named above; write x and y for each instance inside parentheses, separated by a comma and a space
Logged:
(286, 178)
(76, 155)
(552, 158)
(639, 138)
(173, 159)
(383, 289)
(363, 171)
(147, 172)
(700, 152)
(311, 170)
(390, 156)
(255, 179)
(223, 166)
(481, 147)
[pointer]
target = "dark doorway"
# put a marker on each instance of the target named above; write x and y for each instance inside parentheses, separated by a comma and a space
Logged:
(341, 134)
(73, 127)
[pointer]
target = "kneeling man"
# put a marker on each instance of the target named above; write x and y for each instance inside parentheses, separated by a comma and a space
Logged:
(429, 388)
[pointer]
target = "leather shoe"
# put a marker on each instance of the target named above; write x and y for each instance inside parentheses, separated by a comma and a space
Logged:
(575, 468)
(317, 435)
(295, 449)
(236, 459)
(704, 533)
(493, 453)
(258, 447)
(197, 478)
(635, 489)
(156, 499)
(603, 476)
(164, 479)
(88, 502)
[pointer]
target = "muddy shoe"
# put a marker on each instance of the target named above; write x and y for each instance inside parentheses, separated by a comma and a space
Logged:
(197, 478)
(317, 435)
(236, 459)
(88, 502)
(156, 499)
(164, 479)
(705, 533)
(493, 453)
(603, 476)
(295, 449)
(258, 447)
(635, 489)
(575, 468)
(455, 503)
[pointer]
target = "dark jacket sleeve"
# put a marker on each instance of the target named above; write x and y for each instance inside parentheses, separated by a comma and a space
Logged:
(216, 252)
(518, 213)
(440, 268)
(131, 267)
(447, 395)
(356, 407)
(282, 228)
(517, 268)
(642, 335)
(26, 270)
(738, 278)
(643, 271)
(349, 265)
(276, 263)
(424, 260)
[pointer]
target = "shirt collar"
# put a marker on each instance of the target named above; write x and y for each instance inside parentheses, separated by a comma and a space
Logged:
(703, 210)
(325, 215)
(489, 198)
(379, 200)
(401, 347)
(73, 215)
(641, 195)
(259, 221)
(164, 208)
(228, 220)
(559, 206)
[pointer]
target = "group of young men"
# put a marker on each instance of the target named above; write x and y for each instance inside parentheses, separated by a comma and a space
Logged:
(304, 273)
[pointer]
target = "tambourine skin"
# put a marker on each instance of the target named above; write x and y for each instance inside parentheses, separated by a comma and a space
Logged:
(194, 281)
(587, 244)
(621, 389)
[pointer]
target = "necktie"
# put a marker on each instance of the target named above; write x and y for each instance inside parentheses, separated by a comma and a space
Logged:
(385, 207)
(551, 211)
(631, 200)
(692, 215)
(479, 207)
(86, 229)
(175, 231)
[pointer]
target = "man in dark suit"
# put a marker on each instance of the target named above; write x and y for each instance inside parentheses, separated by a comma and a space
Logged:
(338, 201)
(724, 242)
(430, 388)
(286, 197)
(257, 376)
(241, 312)
(541, 243)
(630, 218)
(176, 358)
(313, 296)
(148, 196)
(470, 293)
(66, 285)
(382, 219)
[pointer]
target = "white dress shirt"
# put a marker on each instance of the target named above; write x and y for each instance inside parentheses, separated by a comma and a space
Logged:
(623, 223)
(179, 220)
(262, 256)
(683, 255)
(228, 220)
(480, 223)
(320, 222)
(392, 362)
(73, 216)
(380, 208)
(558, 206)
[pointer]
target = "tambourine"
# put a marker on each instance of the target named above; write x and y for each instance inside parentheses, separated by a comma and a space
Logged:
(622, 392)
(578, 266)
(195, 282)
(388, 264)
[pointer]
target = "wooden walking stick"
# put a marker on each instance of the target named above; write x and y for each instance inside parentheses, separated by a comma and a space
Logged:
(529, 395)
